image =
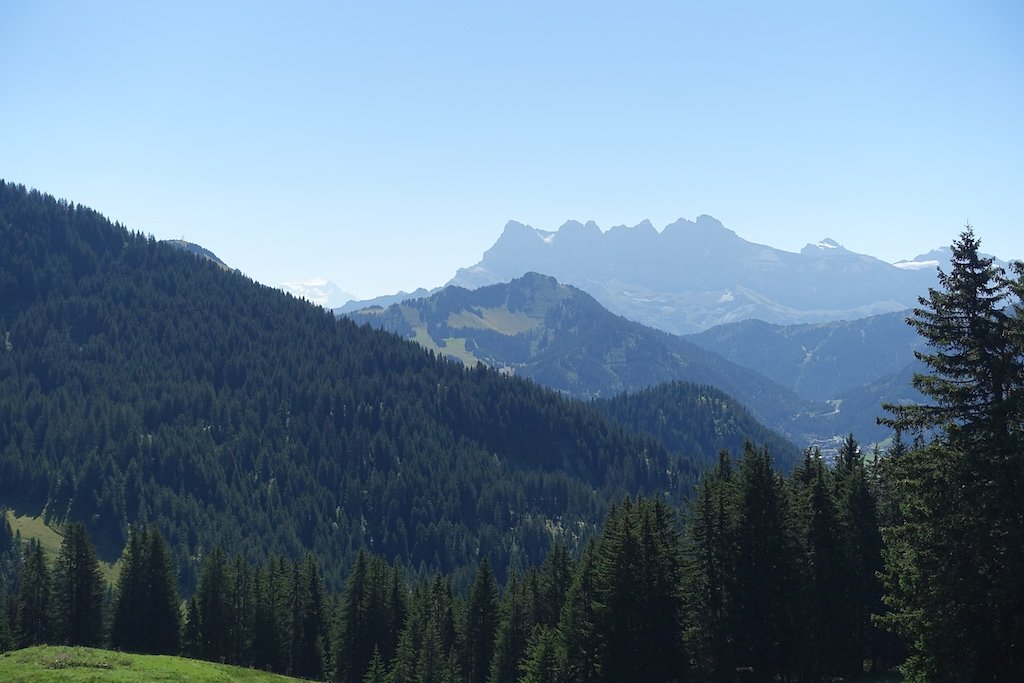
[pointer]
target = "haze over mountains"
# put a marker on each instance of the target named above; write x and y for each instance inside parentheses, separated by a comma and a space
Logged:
(563, 338)
(696, 274)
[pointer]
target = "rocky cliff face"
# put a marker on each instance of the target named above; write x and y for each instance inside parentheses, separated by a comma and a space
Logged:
(696, 274)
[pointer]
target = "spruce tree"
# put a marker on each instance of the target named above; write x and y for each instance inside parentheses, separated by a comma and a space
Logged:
(34, 607)
(213, 616)
(308, 625)
(543, 663)
(78, 590)
(953, 561)
(765, 569)
(147, 615)
(513, 632)
(480, 624)
(163, 613)
(577, 627)
(710, 556)
(353, 646)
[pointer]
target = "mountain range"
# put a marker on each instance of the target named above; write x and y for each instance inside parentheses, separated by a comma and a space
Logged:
(694, 275)
(563, 338)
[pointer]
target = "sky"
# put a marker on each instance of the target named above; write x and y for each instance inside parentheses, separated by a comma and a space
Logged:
(383, 145)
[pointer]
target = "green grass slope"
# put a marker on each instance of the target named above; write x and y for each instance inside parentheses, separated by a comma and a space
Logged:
(54, 663)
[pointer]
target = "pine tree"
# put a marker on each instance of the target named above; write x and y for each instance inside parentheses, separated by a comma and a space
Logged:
(163, 613)
(480, 624)
(542, 663)
(213, 615)
(353, 647)
(577, 628)
(78, 589)
(710, 556)
(377, 672)
(308, 625)
(638, 608)
(974, 367)
(954, 559)
(765, 569)
(857, 514)
(825, 607)
(147, 616)
(513, 632)
(128, 630)
(553, 585)
(34, 607)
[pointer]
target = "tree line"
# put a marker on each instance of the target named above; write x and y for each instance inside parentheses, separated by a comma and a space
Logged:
(769, 574)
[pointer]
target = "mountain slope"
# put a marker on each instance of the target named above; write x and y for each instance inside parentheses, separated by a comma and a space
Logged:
(821, 361)
(696, 274)
(138, 383)
(699, 421)
(561, 337)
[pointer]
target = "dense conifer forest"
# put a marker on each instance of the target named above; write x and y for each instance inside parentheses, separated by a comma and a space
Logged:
(142, 385)
(295, 493)
(749, 581)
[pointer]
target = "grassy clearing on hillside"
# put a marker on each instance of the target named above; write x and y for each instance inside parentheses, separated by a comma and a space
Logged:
(51, 539)
(51, 663)
(500, 320)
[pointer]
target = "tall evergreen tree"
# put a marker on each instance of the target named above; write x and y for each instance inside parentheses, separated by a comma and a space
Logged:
(553, 585)
(481, 624)
(147, 615)
(163, 616)
(513, 631)
(214, 607)
(78, 590)
(353, 645)
(638, 609)
(710, 558)
(824, 607)
(34, 607)
(577, 627)
(765, 569)
(308, 624)
(542, 663)
(954, 559)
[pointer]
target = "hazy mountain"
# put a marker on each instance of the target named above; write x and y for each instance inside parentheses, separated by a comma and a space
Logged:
(318, 290)
(821, 361)
(563, 338)
(696, 274)
(938, 258)
(386, 300)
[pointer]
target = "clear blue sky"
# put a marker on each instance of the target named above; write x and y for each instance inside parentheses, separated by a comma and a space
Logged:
(383, 145)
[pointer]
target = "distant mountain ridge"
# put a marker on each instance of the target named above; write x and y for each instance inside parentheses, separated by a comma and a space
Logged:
(694, 275)
(561, 337)
(819, 361)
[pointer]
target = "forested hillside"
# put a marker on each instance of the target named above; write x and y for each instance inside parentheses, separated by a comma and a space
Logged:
(141, 384)
(697, 420)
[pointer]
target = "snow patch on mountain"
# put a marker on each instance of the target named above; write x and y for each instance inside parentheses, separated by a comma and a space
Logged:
(318, 290)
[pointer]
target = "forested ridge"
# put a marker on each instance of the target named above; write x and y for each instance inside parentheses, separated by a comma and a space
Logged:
(140, 384)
